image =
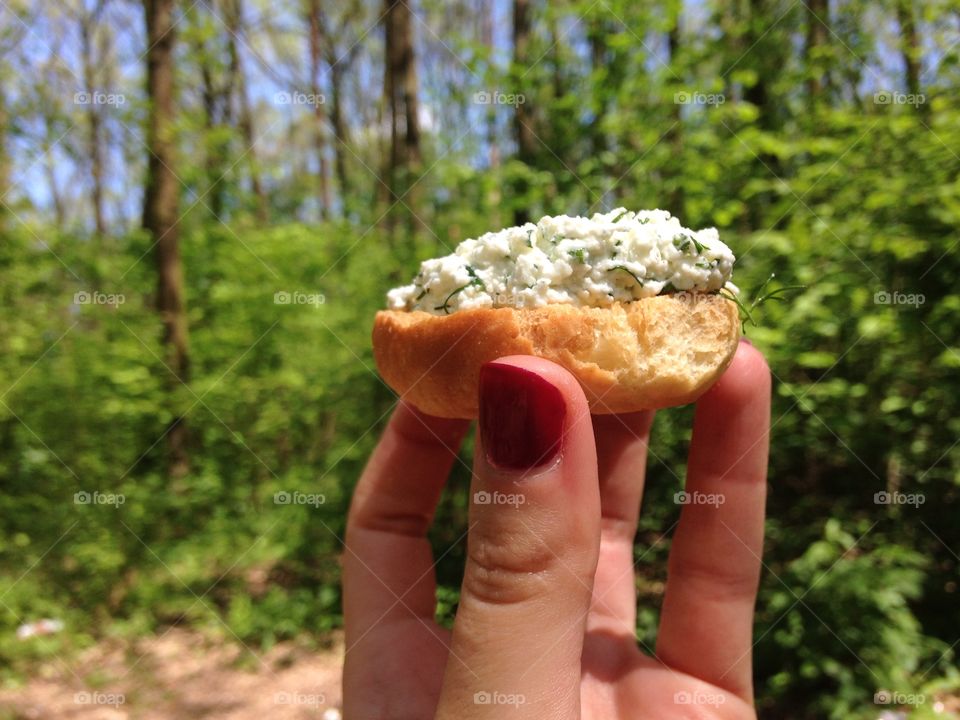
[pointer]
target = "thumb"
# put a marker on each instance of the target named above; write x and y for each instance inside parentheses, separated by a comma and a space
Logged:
(532, 548)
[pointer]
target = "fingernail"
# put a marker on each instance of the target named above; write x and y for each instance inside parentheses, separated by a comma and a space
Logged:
(745, 341)
(521, 417)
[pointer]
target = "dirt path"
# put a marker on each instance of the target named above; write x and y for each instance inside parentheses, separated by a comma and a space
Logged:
(182, 675)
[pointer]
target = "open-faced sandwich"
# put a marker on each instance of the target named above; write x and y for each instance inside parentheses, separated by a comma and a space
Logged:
(629, 302)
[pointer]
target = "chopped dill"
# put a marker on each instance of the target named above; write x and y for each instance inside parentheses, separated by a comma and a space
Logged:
(474, 280)
(682, 242)
(628, 272)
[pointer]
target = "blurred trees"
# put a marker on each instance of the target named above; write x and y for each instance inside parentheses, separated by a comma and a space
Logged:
(821, 139)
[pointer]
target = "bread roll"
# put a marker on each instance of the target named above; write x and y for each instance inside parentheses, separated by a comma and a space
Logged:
(650, 353)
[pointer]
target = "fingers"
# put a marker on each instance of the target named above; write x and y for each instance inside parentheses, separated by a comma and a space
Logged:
(388, 567)
(707, 618)
(621, 460)
(533, 543)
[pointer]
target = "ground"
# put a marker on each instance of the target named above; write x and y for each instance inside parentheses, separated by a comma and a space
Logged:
(183, 675)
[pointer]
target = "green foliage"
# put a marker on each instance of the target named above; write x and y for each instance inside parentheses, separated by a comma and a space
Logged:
(283, 398)
(839, 622)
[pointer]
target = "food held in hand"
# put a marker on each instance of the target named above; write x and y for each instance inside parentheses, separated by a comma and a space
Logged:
(629, 302)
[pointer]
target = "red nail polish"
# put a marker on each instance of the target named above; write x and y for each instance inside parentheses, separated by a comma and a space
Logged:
(521, 417)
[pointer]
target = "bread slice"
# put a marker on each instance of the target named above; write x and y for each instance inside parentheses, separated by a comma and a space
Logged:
(651, 353)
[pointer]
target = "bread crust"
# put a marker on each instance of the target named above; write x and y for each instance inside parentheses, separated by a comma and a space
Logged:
(652, 353)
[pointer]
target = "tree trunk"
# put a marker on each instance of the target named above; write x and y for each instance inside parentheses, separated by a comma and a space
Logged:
(758, 93)
(234, 20)
(320, 132)
(555, 37)
(522, 119)
(338, 65)
(494, 198)
(909, 45)
(56, 197)
(400, 94)
(675, 133)
(211, 122)
(341, 134)
(4, 157)
(597, 39)
(160, 208)
(87, 29)
(818, 17)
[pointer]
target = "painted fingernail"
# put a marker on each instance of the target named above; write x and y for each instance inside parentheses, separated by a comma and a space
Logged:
(746, 341)
(521, 417)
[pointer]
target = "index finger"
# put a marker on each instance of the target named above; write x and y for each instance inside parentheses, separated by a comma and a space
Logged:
(388, 566)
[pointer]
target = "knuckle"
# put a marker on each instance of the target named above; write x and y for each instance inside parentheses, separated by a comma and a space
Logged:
(716, 581)
(508, 568)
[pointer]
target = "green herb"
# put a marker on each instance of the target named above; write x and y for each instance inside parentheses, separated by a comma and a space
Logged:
(682, 242)
(474, 280)
(556, 238)
(529, 241)
(420, 296)
(668, 288)
(723, 292)
(628, 272)
(619, 217)
(759, 300)
(644, 221)
(576, 255)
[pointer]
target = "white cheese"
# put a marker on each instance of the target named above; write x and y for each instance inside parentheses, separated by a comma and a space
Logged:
(618, 256)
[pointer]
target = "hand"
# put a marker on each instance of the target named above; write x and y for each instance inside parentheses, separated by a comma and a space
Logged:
(546, 622)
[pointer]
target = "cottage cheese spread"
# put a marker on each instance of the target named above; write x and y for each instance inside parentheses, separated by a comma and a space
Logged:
(618, 256)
